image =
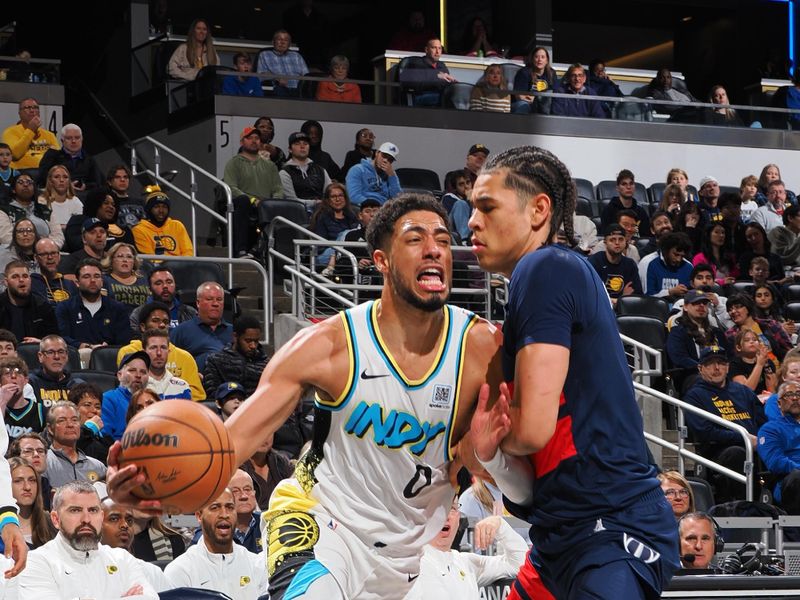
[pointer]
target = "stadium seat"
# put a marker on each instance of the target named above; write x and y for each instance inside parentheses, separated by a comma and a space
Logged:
(792, 312)
(510, 71)
(702, 492)
(583, 207)
(420, 179)
(728, 189)
(585, 190)
(102, 379)
(456, 95)
(792, 293)
(742, 287)
(104, 359)
(30, 354)
(656, 192)
(608, 189)
(291, 210)
(647, 330)
(189, 274)
(643, 306)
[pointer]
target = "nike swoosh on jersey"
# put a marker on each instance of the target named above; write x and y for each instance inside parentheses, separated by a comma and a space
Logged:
(365, 376)
(410, 578)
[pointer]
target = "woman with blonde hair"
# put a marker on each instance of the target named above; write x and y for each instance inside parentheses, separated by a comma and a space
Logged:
(122, 279)
(26, 487)
(482, 499)
(672, 201)
(59, 196)
(491, 93)
(197, 52)
(678, 492)
(679, 177)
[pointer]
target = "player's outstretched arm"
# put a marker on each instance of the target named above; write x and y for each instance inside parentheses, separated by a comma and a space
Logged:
(541, 370)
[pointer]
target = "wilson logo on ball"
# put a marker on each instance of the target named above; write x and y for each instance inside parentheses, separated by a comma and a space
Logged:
(139, 437)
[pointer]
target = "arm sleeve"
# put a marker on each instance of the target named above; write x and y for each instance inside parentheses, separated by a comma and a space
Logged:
(460, 216)
(190, 375)
(177, 575)
(513, 475)
(511, 550)
(6, 498)
(635, 280)
(394, 186)
(355, 185)
(231, 177)
(135, 575)
(184, 241)
(288, 186)
(706, 431)
(64, 319)
(121, 323)
(6, 229)
(19, 142)
(144, 243)
(676, 348)
(36, 582)
(277, 184)
(211, 375)
(49, 323)
(772, 451)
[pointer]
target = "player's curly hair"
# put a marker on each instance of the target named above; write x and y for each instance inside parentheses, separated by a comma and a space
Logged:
(381, 227)
(531, 171)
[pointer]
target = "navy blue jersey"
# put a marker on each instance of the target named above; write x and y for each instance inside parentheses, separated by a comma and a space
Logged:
(596, 462)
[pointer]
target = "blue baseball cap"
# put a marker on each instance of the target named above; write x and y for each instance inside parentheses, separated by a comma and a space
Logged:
(226, 389)
(711, 352)
(93, 222)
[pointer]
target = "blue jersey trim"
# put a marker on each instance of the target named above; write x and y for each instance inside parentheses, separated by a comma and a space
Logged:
(308, 574)
(352, 343)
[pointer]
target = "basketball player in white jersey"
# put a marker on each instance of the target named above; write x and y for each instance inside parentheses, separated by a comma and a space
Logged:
(396, 383)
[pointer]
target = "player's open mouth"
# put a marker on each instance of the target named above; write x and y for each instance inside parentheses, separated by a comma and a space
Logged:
(432, 279)
(446, 528)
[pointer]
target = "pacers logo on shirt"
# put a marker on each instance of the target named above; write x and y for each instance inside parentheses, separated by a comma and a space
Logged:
(614, 283)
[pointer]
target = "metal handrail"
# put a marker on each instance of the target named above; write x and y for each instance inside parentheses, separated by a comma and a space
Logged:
(194, 169)
(747, 478)
(230, 261)
(640, 351)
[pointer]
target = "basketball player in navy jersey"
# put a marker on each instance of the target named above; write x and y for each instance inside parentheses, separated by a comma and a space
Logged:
(601, 527)
(396, 383)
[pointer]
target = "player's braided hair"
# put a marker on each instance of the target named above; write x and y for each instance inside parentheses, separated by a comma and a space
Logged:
(533, 170)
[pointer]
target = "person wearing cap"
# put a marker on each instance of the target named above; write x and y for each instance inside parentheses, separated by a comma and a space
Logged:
(708, 192)
(732, 401)
(242, 85)
(90, 319)
(100, 203)
(690, 332)
(625, 199)
(243, 360)
(770, 215)
(618, 272)
(302, 178)
(475, 158)
(158, 233)
(132, 376)
(65, 462)
(94, 234)
(785, 239)
(778, 447)
(702, 278)
(375, 178)
(251, 179)
(229, 396)
(427, 74)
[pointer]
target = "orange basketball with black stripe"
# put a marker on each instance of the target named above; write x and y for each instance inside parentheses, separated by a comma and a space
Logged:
(183, 449)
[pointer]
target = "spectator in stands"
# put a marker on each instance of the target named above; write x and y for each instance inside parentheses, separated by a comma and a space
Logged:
(75, 564)
(778, 447)
(91, 319)
(708, 193)
(698, 535)
(490, 92)
(242, 361)
(364, 148)
(228, 396)
(616, 271)
(628, 220)
(24, 205)
(730, 208)
(267, 150)
(314, 131)
(131, 210)
(742, 312)
(48, 283)
(672, 200)
(156, 344)
(770, 215)
(668, 275)
(94, 233)
(208, 332)
(785, 239)
(626, 188)
(660, 225)
(752, 366)
(140, 400)
(481, 499)
(155, 540)
(602, 84)
(65, 462)
(132, 376)
(301, 178)
(92, 442)
(759, 271)
(413, 35)
(123, 281)
(284, 64)
(27, 139)
(158, 233)
(689, 221)
(722, 115)
(458, 188)
(6, 172)
(446, 572)
(758, 244)
(33, 448)
(241, 574)
(474, 162)
(664, 87)
(475, 40)
(331, 220)
(732, 401)
(27, 491)
(155, 315)
(690, 334)
(702, 278)
(577, 107)
(194, 54)
(428, 75)
(162, 289)
(267, 467)
(375, 178)
(102, 205)
(770, 305)
(336, 89)
(22, 413)
(83, 170)
(769, 173)
(59, 197)
(27, 316)
(536, 76)
(712, 252)
(789, 371)
(242, 85)
(585, 233)
(747, 191)
(678, 492)
(52, 380)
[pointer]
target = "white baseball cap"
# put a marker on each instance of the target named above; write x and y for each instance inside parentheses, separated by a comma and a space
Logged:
(390, 149)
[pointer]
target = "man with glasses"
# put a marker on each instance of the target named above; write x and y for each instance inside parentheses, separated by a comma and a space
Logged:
(626, 188)
(770, 215)
(375, 178)
(28, 139)
(65, 462)
(49, 283)
(52, 381)
(577, 106)
(779, 447)
(27, 316)
(242, 85)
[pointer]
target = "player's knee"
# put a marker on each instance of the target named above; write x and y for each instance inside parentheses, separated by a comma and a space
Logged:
(614, 580)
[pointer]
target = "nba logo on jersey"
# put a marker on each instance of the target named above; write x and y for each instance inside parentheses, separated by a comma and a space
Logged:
(442, 397)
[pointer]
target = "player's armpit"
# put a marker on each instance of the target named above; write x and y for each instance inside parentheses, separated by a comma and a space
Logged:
(541, 370)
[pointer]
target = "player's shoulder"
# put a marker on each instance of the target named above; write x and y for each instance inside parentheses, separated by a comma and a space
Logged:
(483, 335)
(548, 259)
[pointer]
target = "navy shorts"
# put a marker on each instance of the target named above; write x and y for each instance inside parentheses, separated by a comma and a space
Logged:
(637, 545)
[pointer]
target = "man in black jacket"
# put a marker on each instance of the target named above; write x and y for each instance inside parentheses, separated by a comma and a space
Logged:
(242, 360)
(52, 381)
(27, 316)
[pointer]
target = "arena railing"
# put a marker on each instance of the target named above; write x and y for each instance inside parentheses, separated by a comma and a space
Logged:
(195, 173)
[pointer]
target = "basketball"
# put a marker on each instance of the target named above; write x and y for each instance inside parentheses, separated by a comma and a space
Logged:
(185, 452)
